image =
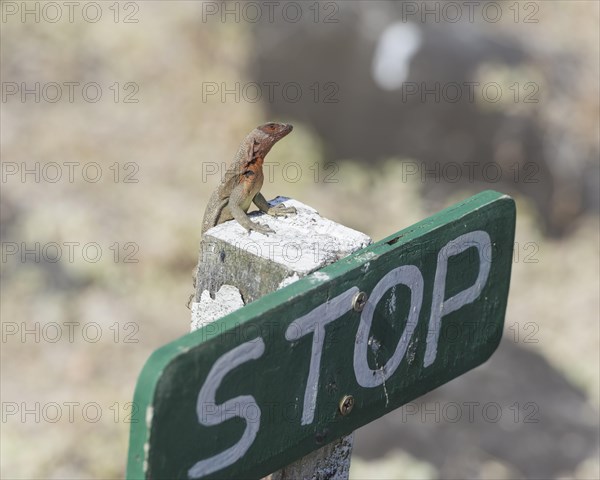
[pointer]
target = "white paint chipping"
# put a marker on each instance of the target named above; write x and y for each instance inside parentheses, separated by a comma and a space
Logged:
(227, 300)
(303, 242)
(391, 303)
(320, 276)
(375, 345)
(411, 352)
(385, 392)
(149, 415)
(366, 257)
(288, 281)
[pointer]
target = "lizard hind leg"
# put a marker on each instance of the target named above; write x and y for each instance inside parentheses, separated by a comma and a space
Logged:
(216, 213)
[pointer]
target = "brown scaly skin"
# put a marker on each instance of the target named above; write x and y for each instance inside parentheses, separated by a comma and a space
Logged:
(243, 181)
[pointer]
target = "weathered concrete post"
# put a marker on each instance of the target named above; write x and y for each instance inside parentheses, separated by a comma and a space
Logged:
(237, 268)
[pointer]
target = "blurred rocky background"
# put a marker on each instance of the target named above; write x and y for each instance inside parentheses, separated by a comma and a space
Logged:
(117, 119)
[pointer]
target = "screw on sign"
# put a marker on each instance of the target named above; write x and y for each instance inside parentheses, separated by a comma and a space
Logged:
(329, 353)
(359, 301)
(346, 404)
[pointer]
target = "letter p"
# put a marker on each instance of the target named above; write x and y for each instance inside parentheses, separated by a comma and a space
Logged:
(440, 307)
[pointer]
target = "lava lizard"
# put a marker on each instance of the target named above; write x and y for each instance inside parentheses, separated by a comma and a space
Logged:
(243, 181)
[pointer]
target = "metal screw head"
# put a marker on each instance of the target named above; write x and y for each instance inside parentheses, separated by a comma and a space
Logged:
(346, 404)
(359, 301)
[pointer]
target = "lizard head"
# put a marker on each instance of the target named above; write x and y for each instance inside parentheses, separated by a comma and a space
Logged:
(272, 132)
(277, 130)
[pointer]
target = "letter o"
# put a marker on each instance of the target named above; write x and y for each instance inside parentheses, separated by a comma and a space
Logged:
(410, 276)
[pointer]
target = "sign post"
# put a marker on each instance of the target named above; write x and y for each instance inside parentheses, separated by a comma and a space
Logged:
(305, 365)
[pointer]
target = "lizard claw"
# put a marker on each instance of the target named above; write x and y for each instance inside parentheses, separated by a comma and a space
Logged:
(281, 211)
(264, 229)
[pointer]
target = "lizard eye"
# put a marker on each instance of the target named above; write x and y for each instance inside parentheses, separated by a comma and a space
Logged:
(270, 128)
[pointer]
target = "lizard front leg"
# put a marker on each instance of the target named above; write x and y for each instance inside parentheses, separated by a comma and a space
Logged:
(236, 199)
(276, 211)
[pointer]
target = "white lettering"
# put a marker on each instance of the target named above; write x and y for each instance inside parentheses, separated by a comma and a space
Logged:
(235, 407)
(315, 321)
(440, 307)
(410, 276)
